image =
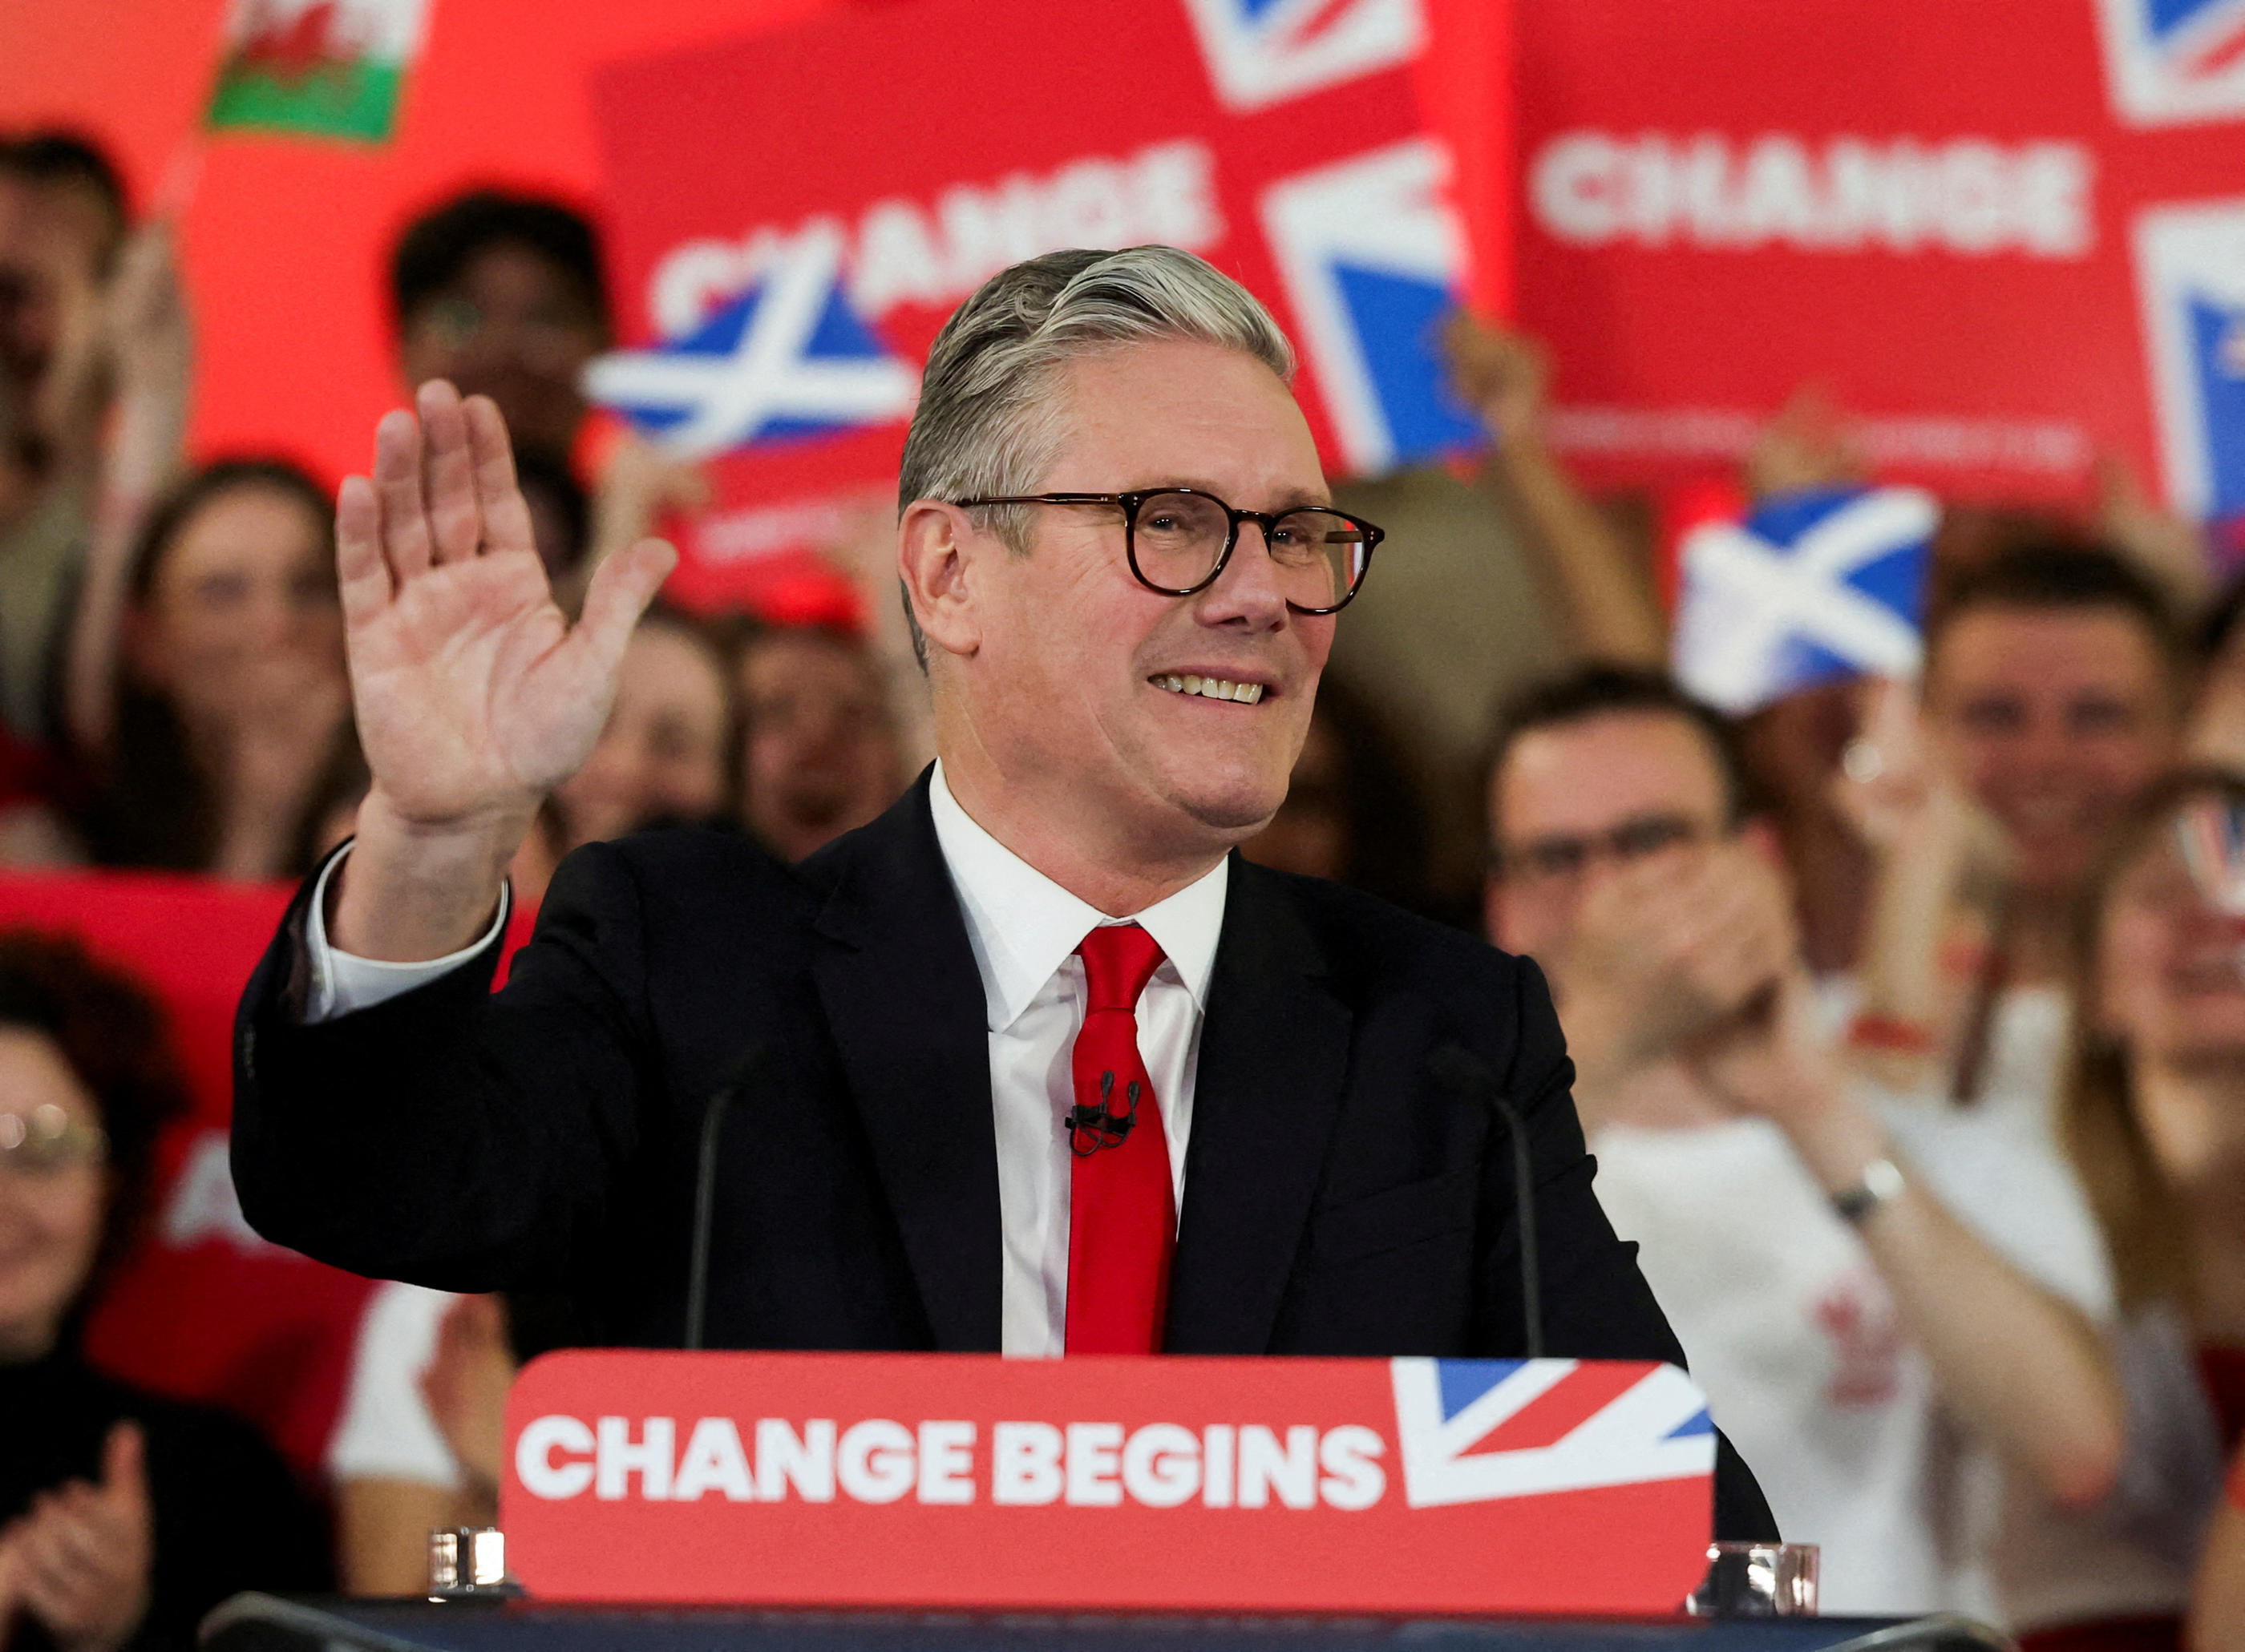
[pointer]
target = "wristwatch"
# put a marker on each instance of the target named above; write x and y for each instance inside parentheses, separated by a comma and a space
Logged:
(1881, 1182)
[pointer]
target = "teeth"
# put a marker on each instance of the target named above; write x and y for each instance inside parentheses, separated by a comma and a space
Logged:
(1245, 693)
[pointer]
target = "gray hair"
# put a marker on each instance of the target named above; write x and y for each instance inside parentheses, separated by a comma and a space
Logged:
(986, 421)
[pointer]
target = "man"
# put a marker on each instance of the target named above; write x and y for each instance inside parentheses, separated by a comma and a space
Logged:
(1031, 1063)
(1832, 1309)
(502, 295)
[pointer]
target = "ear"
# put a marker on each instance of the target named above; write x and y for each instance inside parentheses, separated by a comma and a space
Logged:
(937, 550)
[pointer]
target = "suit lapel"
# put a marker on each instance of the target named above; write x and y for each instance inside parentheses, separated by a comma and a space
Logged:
(1273, 1057)
(897, 977)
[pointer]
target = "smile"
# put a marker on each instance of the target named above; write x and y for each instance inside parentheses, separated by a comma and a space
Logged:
(1245, 693)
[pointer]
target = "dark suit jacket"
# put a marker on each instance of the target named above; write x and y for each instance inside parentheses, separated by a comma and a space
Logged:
(1337, 1199)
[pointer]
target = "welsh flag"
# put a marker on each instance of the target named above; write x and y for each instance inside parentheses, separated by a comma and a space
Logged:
(331, 68)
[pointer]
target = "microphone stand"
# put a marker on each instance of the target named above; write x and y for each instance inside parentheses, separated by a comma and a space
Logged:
(705, 1189)
(1458, 1070)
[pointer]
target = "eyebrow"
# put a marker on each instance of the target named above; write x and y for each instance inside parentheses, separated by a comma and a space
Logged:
(1297, 499)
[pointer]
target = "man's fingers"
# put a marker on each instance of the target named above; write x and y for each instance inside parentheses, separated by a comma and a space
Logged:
(622, 587)
(361, 573)
(498, 495)
(124, 1469)
(448, 474)
(405, 539)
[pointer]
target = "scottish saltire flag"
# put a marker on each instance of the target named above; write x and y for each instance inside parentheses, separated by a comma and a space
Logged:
(1472, 1431)
(1813, 585)
(785, 359)
(1371, 254)
(2211, 835)
(2175, 60)
(2190, 274)
(1261, 52)
(323, 68)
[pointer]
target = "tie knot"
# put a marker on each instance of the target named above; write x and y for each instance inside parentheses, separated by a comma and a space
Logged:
(1118, 960)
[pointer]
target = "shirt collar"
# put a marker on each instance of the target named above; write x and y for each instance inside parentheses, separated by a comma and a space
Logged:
(1023, 926)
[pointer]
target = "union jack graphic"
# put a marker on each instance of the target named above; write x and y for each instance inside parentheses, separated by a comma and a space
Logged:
(2169, 61)
(1473, 1431)
(1261, 52)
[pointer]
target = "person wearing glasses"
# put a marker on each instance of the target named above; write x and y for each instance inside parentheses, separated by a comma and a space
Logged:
(1797, 1232)
(122, 1515)
(1033, 1063)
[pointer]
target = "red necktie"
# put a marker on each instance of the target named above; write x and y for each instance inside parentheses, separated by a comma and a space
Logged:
(1121, 1225)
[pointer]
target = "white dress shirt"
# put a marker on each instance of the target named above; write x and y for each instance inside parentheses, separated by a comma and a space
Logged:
(1024, 929)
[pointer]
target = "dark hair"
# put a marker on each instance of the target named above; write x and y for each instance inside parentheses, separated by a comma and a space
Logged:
(1378, 800)
(174, 510)
(441, 243)
(114, 1037)
(2053, 569)
(54, 158)
(1600, 690)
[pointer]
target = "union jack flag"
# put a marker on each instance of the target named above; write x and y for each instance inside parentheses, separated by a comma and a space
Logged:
(1473, 1431)
(1261, 52)
(2175, 60)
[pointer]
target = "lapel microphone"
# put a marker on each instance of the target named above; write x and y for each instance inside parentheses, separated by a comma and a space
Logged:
(744, 1069)
(1090, 1128)
(1462, 1072)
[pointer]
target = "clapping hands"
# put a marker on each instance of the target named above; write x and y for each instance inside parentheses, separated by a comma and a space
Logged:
(78, 1562)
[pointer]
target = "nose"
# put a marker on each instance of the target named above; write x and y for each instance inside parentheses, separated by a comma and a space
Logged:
(1246, 595)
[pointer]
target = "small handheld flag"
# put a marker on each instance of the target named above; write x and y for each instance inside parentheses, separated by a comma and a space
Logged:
(324, 68)
(1813, 585)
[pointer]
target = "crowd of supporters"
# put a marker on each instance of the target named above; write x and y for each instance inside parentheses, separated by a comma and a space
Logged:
(1955, 925)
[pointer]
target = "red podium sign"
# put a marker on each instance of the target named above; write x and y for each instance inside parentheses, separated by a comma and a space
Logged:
(1265, 1485)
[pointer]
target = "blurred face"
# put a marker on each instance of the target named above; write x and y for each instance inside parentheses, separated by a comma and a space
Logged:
(1576, 803)
(517, 329)
(1309, 835)
(51, 1190)
(661, 755)
(2054, 718)
(2170, 967)
(820, 756)
(244, 594)
(1064, 682)
(51, 242)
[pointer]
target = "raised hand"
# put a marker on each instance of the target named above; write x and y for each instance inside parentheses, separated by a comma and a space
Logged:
(475, 696)
(81, 1559)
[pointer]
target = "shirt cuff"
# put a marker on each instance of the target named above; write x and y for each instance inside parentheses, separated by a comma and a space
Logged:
(342, 982)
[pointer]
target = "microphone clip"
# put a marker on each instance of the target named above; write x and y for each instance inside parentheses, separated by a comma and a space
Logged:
(1090, 1128)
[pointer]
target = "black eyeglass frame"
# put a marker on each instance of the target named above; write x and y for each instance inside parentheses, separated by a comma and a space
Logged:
(1264, 519)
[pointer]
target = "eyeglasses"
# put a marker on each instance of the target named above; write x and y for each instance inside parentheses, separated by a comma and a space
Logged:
(48, 1141)
(1179, 540)
(1547, 860)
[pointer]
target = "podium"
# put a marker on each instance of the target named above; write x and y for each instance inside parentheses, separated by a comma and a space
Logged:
(262, 1623)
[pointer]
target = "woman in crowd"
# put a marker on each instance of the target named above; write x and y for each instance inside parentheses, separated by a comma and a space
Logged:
(2153, 1114)
(208, 695)
(124, 1518)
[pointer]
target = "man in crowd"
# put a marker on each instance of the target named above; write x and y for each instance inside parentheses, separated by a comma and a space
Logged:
(502, 295)
(1830, 1306)
(1032, 1063)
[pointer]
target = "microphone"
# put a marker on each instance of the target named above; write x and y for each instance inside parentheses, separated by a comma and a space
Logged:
(1462, 1072)
(1090, 1128)
(750, 1063)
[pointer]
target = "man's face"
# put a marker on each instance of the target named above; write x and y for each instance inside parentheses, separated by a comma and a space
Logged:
(1576, 803)
(51, 237)
(516, 327)
(2055, 718)
(1068, 686)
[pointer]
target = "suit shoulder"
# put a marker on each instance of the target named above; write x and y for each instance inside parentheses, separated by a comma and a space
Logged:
(1361, 933)
(701, 872)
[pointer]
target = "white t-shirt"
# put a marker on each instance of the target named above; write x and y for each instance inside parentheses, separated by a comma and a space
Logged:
(1794, 1338)
(387, 1431)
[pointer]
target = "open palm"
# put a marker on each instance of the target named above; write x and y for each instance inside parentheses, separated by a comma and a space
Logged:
(475, 696)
